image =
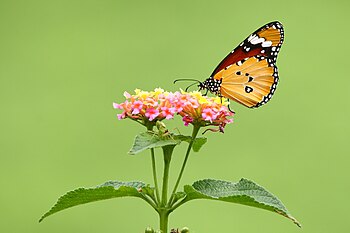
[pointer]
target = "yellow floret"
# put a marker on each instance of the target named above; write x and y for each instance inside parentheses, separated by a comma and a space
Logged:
(221, 101)
(203, 100)
(142, 94)
(196, 94)
(158, 91)
(137, 91)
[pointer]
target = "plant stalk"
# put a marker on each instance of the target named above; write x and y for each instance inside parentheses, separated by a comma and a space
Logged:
(194, 135)
(167, 151)
(164, 216)
(163, 210)
(155, 175)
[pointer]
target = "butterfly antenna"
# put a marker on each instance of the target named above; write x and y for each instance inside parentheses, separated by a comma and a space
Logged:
(186, 79)
(190, 86)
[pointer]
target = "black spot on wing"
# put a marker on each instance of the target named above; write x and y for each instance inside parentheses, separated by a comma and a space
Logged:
(248, 89)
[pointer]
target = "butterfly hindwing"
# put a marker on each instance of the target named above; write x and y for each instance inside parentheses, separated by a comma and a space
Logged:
(252, 83)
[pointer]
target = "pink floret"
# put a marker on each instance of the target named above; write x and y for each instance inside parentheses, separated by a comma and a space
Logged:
(151, 113)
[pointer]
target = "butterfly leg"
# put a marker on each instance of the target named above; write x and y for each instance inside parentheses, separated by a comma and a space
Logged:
(228, 106)
(206, 93)
(219, 94)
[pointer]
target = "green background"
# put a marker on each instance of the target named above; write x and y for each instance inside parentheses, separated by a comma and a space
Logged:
(63, 63)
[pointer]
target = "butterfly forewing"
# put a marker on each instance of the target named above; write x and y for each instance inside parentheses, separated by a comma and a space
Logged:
(248, 75)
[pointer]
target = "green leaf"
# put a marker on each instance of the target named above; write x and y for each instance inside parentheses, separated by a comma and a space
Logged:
(178, 196)
(198, 143)
(149, 140)
(108, 190)
(244, 192)
(182, 138)
(149, 191)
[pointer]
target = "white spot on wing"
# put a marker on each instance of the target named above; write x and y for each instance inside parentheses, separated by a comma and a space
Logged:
(266, 43)
(258, 40)
(250, 38)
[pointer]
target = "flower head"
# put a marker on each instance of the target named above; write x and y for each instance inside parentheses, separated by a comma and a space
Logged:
(194, 108)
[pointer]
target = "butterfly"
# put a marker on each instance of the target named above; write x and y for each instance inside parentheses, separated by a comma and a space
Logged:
(248, 74)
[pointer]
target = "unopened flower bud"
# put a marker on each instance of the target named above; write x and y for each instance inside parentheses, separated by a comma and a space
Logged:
(149, 230)
(185, 230)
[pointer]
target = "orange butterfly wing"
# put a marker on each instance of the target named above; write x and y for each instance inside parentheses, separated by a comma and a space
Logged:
(248, 75)
(251, 84)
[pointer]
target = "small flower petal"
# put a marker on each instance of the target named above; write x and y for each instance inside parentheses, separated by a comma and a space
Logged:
(187, 120)
(127, 95)
(117, 106)
(151, 113)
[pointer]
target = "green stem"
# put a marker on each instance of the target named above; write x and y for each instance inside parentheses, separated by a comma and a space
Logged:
(151, 202)
(194, 135)
(175, 206)
(167, 151)
(164, 216)
(164, 210)
(155, 175)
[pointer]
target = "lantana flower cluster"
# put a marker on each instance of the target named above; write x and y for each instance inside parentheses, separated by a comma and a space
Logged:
(194, 108)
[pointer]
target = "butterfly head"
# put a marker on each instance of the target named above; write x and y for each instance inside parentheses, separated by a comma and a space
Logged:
(202, 86)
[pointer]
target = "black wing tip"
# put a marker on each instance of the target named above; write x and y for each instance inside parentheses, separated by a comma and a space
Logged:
(274, 22)
(270, 24)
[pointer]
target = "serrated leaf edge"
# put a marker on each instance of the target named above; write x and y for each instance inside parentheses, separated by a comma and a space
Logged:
(48, 213)
(280, 212)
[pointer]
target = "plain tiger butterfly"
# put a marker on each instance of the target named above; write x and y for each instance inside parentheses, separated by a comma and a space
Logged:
(248, 74)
